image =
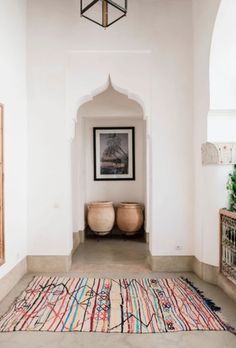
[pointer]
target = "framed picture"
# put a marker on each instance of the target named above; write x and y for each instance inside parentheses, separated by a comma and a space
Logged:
(114, 153)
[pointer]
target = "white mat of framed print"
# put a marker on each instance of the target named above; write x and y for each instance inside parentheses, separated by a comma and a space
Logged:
(114, 153)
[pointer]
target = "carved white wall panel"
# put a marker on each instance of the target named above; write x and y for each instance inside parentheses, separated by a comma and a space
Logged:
(219, 153)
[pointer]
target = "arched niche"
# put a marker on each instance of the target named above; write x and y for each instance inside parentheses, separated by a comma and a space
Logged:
(112, 102)
(107, 86)
(110, 107)
(87, 75)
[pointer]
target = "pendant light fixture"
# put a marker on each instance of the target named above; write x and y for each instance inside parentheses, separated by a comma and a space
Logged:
(103, 12)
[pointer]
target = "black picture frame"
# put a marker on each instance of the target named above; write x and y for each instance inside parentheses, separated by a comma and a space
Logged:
(118, 156)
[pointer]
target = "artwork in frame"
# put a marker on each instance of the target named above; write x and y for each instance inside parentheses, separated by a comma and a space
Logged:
(114, 153)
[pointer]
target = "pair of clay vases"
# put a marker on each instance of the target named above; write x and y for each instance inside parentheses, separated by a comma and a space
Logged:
(101, 217)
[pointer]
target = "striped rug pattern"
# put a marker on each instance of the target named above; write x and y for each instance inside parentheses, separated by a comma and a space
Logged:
(111, 305)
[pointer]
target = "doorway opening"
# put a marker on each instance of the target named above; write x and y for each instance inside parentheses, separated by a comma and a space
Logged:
(109, 109)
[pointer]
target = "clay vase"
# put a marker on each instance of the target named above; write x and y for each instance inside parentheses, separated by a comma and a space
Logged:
(101, 217)
(129, 217)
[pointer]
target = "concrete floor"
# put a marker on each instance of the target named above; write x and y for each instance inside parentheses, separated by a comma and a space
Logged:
(111, 255)
(120, 258)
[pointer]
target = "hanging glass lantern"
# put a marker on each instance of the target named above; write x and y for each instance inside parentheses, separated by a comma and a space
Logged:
(103, 12)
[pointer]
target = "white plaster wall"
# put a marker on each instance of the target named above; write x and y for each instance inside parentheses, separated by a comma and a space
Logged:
(172, 130)
(223, 58)
(164, 28)
(210, 181)
(13, 96)
(221, 126)
(76, 194)
(215, 197)
(204, 14)
(79, 177)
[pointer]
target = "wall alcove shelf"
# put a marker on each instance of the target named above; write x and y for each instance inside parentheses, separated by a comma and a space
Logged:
(116, 234)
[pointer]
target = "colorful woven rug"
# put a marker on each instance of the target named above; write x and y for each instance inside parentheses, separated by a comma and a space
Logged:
(111, 305)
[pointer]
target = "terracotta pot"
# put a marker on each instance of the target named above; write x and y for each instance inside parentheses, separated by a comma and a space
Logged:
(129, 217)
(101, 217)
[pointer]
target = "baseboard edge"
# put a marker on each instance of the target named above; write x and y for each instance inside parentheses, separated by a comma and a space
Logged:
(205, 271)
(171, 263)
(49, 263)
(227, 286)
(9, 280)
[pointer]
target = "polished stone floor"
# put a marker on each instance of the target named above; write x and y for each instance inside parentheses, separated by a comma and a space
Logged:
(120, 258)
(113, 254)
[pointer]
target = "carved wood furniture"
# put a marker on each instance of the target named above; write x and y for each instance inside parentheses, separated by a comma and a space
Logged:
(228, 244)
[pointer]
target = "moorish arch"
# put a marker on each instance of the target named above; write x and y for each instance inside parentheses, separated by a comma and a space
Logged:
(79, 103)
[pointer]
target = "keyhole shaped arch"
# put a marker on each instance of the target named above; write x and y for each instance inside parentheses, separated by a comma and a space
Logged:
(89, 97)
(109, 82)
